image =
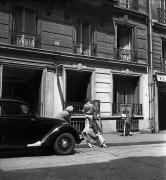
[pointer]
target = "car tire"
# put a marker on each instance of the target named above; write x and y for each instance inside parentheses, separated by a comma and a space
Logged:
(64, 144)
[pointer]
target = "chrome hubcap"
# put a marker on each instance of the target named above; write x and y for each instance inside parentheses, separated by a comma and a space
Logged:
(64, 143)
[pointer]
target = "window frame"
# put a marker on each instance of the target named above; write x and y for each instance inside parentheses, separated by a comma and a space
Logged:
(23, 12)
(125, 95)
(133, 34)
(81, 46)
(163, 4)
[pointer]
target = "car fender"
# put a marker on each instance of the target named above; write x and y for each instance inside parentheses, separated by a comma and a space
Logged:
(50, 137)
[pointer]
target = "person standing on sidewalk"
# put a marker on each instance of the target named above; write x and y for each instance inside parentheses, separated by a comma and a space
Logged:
(91, 130)
(127, 123)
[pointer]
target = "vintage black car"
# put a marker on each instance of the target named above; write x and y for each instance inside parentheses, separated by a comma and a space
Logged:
(20, 128)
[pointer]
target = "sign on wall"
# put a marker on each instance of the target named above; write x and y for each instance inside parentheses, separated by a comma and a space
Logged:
(161, 78)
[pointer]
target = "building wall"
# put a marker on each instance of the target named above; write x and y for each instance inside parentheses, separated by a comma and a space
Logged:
(56, 32)
(144, 100)
(103, 91)
(57, 36)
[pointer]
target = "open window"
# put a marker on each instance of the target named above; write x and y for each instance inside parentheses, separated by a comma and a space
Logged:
(24, 26)
(83, 43)
(163, 4)
(125, 44)
(126, 93)
(163, 58)
(161, 11)
(130, 4)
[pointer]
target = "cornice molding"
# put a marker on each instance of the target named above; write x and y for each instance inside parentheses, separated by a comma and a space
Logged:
(61, 57)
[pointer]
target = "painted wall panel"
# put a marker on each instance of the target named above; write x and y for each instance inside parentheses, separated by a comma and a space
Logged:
(4, 27)
(141, 44)
(104, 97)
(56, 28)
(104, 78)
(105, 107)
(103, 87)
(4, 40)
(55, 40)
(103, 90)
(56, 48)
(4, 18)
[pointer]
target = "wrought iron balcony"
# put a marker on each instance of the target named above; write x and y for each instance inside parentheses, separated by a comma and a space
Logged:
(135, 108)
(129, 4)
(163, 65)
(120, 125)
(125, 55)
(161, 15)
(86, 49)
(25, 40)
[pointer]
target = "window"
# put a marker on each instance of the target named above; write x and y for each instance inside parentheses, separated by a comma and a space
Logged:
(124, 3)
(25, 26)
(11, 108)
(130, 4)
(25, 110)
(163, 58)
(125, 43)
(162, 12)
(125, 90)
(126, 95)
(83, 38)
(163, 4)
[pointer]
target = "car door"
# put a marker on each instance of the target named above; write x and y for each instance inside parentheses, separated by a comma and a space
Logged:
(20, 125)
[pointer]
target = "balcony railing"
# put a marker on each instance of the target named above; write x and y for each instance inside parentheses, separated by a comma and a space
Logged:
(120, 125)
(135, 108)
(161, 15)
(86, 49)
(25, 40)
(129, 4)
(163, 65)
(78, 120)
(116, 108)
(125, 55)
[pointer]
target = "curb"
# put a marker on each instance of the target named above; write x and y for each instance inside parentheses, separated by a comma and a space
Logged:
(124, 144)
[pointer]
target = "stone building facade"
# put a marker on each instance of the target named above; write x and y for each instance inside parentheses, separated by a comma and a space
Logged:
(54, 53)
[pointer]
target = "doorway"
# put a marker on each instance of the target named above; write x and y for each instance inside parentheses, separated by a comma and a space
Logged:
(78, 86)
(162, 109)
(22, 83)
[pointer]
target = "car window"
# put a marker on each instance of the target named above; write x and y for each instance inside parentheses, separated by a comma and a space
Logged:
(11, 108)
(25, 109)
(0, 109)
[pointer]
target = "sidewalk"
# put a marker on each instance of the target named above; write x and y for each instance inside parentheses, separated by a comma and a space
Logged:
(136, 139)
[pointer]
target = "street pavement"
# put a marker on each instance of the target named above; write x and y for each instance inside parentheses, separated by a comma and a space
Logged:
(137, 157)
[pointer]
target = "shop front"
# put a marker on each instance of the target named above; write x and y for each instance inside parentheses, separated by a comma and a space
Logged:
(160, 105)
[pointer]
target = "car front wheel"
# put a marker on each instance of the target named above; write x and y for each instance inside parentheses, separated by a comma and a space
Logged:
(64, 144)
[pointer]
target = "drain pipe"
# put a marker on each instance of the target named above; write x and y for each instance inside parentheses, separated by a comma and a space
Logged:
(150, 71)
